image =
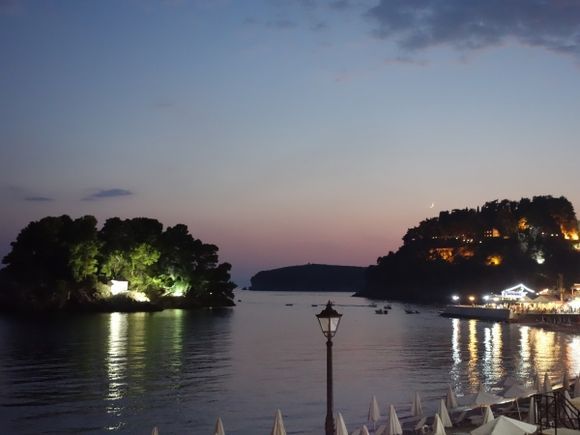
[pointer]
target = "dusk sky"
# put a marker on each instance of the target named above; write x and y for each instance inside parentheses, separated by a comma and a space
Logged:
(285, 131)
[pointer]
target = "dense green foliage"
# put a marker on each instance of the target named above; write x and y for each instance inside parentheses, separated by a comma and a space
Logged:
(482, 250)
(58, 262)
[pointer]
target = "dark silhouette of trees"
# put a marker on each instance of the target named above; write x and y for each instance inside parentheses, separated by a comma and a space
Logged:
(481, 250)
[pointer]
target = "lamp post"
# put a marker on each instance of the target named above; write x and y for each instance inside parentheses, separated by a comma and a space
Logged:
(329, 319)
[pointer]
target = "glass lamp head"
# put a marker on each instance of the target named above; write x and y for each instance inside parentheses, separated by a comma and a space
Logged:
(329, 319)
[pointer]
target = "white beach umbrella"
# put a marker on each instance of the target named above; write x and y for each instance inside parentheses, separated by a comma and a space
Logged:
(219, 427)
(487, 414)
(547, 384)
(507, 382)
(416, 406)
(480, 398)
(438, 427)
(517, 391)
(393, 426)
(538, 382)
(505, 426)
(340, 426)
(374, 411)
(155, 431)
(363, 430)
(443, 414)
(532, 412)
(566, 381)
(577, 386)
(450, 399)
(278, 428)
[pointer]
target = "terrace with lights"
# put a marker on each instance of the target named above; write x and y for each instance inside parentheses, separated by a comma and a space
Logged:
(477, 251)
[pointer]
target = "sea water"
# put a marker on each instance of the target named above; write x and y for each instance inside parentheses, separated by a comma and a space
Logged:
(180, 370)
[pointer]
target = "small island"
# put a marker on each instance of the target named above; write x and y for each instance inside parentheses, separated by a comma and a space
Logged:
(311, 277)
(65, 264)
(482, 250)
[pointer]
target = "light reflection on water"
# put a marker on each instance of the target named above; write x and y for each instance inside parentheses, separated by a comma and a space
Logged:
(179, 370)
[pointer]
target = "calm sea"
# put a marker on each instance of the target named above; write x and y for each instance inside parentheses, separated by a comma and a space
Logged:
(181, 370)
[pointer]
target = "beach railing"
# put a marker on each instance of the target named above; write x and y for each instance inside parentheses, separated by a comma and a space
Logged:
(554, 410)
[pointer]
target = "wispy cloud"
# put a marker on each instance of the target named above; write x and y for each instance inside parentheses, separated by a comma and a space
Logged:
(38, 199)
(282, 24)
(24, 194)
(340, 4)
(466, 25)
(107, 193)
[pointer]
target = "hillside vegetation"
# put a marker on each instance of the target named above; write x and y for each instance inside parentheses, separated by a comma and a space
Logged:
(481, 250)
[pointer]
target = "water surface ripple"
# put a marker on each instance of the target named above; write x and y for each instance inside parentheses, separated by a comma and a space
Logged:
(181, 370)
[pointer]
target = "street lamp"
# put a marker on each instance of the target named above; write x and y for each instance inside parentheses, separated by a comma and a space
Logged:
(329, 319)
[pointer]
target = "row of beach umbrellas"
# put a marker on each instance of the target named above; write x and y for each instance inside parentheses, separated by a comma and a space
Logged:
(512, 390)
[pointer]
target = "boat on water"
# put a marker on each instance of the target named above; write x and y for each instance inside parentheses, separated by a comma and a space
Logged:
(381, 311)
(387, 307)
(411, 311)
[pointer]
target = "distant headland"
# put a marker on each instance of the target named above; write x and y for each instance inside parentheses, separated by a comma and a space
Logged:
(485, 249)
(310, 277)
(61, 264)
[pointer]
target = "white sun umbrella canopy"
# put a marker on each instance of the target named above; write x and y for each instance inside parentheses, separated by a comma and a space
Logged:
(278, 428)
(451, 398)
(532, 412)
(547, 387)
(374, 411)
(516, 391)
(219, 427)
(538, 382)
(361, 431)
(438, 427)
(416, 406)
(566, 381)
(340, 425)
(443, 414)
(480, 398)
(487, 414)
(507, 382)
(393, 426)
(505, 426)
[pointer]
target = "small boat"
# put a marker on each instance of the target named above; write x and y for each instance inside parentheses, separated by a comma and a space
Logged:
(381, 311)
(411, 311)
(314, 305)
(373, 305)
(289, 305)
(387, 307)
